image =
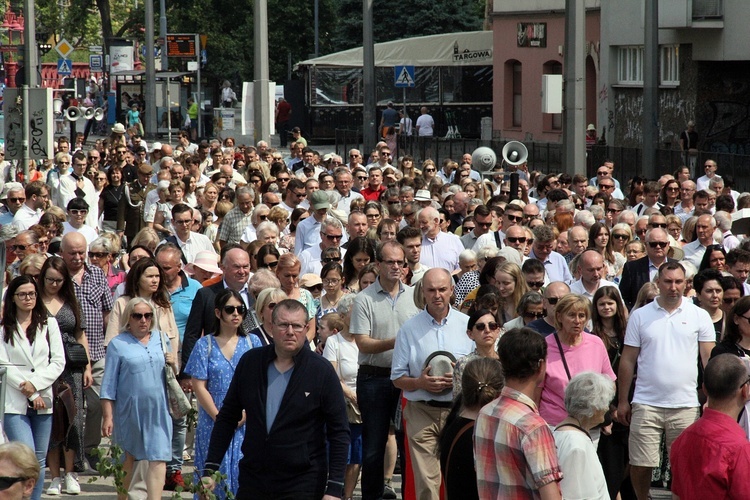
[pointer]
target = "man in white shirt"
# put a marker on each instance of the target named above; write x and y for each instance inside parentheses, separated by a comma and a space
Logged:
(30, 212)
(294, 195)
(425, 124)
(591, 267)
(189, 241)
(710, 168)
(331, 233)
(439, 249)
(664, 338)
(343, 181)
(704, 229)
(411, 239)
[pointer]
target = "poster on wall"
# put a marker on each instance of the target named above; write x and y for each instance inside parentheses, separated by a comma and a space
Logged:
(120, 57)
(532, 35)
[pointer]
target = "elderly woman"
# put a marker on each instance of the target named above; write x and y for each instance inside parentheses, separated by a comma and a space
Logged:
(264, 305)
(102, 251)
(484, 329)
(587, 399)
(134, 395)
(259, 215)
(570, 351)
(467, 262)
(19, 467)
(621, 236)
(470, 280)
(288, 271)
(268, 233)
(530, 308)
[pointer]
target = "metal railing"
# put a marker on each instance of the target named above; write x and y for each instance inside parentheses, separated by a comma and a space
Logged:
(708, 9)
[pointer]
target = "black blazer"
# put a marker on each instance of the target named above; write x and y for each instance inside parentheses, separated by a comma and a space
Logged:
(201, 318)
(304, 454)
(634, 275)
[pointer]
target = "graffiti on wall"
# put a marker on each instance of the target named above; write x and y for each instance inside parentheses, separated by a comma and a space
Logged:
(674, 113)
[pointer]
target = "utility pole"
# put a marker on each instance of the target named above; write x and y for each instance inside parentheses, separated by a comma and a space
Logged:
(650, 88)
(163, 34)
(261, 94)
(30, 80)
(368, 75)
(150, 97)
(574, 87)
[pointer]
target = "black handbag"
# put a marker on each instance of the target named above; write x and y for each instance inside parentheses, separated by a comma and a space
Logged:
(75, 355)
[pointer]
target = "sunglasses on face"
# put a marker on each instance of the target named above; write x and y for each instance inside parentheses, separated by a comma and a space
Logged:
(7, 481)
(658, 225)
(520, 239)
(232, 309)
(483, 326)
(552, 300)
(658, 244)
(328, 260)
(620, 236)
(140, 316)
(514, 218)
(16, 200)
(97, 255)
(535, 315)
(535, 284)
(270, 264)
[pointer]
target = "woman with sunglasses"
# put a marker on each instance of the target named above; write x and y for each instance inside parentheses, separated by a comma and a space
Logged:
(59, 299)
(484, 329)
(264, 305)
(621, 236)
(145, 280)
(429, 171)
(670, 193)
(134, 396)
(211, 366)
(101, 253)
(32, 350)
(267, 257)
(332, 276)
(530, 308)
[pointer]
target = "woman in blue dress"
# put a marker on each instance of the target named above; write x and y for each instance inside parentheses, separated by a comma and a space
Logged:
(211, 365)
(134, 395)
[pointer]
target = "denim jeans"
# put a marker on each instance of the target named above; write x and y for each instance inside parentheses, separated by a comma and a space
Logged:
(377, 397)
(179, 431)
(34, 431)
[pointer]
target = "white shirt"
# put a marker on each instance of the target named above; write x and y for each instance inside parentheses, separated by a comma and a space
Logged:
(583, 476)
(668, 357)
(694, 252)
(345, 354)
(579, 288)
(26, 217)
(195, 243)
(419, 337)
(307, 235)
(67, 191)
(702, 182)
(405, 125)
(425, 125)
(345, 203)
(442, 251)
(87, 231)
(488, 240)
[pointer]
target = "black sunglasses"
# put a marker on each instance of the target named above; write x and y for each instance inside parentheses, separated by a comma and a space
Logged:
(552, 300)
(536, 284)
(231, 309)
(659, 244)
(7, 481)
(140, 316)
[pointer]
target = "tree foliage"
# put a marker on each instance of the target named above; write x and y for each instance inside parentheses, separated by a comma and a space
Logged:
(395, 19)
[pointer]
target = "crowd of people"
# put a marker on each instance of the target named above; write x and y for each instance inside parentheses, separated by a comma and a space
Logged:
(483, 342)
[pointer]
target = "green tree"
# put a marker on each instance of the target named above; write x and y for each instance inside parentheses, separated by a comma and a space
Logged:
(394, 19)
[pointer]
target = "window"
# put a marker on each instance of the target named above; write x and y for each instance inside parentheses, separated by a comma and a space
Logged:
(630, 66)
(517, 94)
(669, 65)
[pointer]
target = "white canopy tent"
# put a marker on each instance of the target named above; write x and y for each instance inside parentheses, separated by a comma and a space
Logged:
(451, 49)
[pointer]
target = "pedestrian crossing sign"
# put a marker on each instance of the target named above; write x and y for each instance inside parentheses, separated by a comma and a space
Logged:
(64, 67)
(404, 76)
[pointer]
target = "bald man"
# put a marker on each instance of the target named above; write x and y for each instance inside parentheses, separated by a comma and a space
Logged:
(437, 328)
(438, 249)
(91, 289)
(591, 267)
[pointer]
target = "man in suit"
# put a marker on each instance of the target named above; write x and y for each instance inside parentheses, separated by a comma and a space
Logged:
(130, 211)
(235, 262)
(639, 272)
(297, 435)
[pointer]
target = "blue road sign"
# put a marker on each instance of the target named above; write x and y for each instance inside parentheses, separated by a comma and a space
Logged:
(96, 63)
(404, 76)
(64, 67)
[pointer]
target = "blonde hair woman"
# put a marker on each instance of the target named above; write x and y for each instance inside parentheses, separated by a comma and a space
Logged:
(510, 282)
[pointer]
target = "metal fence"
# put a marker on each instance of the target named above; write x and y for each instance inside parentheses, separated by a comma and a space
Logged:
(548, 156)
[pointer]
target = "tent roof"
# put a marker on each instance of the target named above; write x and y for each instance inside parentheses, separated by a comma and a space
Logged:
(451, 49)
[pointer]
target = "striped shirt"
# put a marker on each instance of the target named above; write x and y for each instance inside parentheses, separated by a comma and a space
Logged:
(514, 450)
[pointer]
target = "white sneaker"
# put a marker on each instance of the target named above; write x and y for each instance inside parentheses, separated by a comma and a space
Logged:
(54, 487)
(71, 484)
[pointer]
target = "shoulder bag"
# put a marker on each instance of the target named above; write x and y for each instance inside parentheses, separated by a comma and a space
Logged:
(75, 356)
(177, 402)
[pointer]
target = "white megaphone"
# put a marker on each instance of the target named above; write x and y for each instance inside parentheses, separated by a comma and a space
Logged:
(98, 114)
(483, 159)
(88, 113)
(73, 114)
(57, 105)
(515, 153)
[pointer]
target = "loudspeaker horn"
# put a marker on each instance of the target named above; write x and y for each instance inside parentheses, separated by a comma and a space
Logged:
(88, 113)
(73, 113)
(515, 153)
(483, 159)
(57, 105)
(98, 114)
